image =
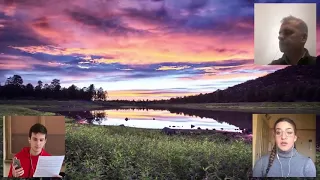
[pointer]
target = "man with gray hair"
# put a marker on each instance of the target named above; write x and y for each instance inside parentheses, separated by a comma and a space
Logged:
(293, 36)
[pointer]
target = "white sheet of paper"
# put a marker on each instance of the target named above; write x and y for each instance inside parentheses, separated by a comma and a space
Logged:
(48, 166)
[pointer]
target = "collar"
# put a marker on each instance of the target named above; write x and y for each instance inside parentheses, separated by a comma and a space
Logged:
(303, 60)
(287, 154)
(31, 155)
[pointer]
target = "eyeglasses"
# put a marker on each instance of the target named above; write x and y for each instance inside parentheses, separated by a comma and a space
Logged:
(287, 133)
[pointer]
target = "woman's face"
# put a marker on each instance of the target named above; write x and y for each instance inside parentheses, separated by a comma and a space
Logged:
(285, 136)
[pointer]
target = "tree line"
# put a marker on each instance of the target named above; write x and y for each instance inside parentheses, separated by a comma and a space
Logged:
(15, 89)
(291, 84)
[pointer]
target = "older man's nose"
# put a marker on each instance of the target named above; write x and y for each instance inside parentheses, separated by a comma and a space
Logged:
(280, 37)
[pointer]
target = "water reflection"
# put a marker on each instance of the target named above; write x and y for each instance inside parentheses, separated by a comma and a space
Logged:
(153, 119)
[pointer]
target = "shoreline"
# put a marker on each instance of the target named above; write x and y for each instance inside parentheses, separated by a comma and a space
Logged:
(250, 107)
(244, 107)
(228, 135)
(254, 111)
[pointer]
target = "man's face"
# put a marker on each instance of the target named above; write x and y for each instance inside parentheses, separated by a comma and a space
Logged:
(37, 142)
(290, 36)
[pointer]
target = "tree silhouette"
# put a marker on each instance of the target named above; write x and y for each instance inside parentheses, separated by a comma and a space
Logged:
(29, 90)
(101, 96)
(91, 92)
(55, 85)
(14, 89)
(16, 80)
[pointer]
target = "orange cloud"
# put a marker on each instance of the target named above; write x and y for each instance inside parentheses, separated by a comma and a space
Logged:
(145, 94)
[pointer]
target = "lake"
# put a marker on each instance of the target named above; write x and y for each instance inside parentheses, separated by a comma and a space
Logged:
(158, 119)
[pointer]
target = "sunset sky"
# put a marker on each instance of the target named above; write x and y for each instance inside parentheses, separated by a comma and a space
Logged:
(134, 49)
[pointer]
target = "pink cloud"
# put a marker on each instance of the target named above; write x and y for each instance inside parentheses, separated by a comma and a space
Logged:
(9, 62)
(70, 37)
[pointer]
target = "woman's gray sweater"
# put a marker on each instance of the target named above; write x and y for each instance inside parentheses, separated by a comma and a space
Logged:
(300, 165)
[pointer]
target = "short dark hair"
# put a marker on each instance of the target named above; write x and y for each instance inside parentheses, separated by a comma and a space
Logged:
(38, 128)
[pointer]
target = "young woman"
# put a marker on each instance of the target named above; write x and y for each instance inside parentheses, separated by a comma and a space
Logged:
(284, 160)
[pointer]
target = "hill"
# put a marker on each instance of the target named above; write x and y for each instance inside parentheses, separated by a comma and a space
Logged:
(293, 83)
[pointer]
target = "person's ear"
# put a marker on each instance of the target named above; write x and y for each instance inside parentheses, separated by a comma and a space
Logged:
(295, 138)
(304, 38)
(29, 140)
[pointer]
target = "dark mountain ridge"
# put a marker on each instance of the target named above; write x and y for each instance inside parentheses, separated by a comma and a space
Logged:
(292, 83)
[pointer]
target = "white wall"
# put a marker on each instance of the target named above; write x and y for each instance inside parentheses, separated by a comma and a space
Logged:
(267, 17)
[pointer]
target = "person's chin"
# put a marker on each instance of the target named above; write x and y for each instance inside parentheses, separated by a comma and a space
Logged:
(284, 148)
(37, 150)
(282, 49)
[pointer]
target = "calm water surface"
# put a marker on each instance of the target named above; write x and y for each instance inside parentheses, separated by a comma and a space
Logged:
(151, 119)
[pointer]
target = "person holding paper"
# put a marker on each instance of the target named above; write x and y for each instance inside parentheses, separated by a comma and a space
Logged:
(29, 156)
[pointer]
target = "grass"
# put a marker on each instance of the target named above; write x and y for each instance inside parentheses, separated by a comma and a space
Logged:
(52, 105)
(318, 163)
(55, 105)
(129, 153)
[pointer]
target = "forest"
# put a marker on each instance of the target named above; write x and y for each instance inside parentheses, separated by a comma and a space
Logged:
(15, 89)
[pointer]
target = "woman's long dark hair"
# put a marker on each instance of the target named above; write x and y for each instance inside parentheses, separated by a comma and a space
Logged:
(274, 149)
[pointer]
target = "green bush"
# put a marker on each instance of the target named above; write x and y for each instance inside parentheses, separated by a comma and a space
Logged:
(129, 153)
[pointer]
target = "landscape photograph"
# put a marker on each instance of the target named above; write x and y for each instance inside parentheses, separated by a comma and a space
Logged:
(151, 89)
